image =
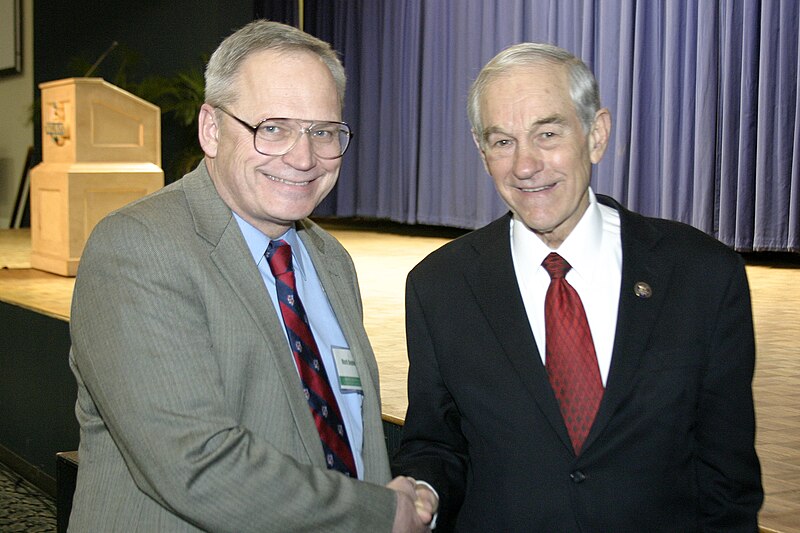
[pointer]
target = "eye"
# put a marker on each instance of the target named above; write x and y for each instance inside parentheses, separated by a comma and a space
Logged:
(273, 130)
(495, 142)
(548, 139)
(323, 134)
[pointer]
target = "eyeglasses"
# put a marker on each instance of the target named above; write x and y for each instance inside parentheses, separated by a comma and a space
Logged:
(277, 136)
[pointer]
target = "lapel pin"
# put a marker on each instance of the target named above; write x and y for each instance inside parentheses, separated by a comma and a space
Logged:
(642, 290)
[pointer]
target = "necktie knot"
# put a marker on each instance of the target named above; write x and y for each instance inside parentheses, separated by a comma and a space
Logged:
(279, 257)
(556, 265)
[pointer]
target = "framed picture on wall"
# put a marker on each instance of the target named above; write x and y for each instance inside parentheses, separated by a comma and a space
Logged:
(10, 36)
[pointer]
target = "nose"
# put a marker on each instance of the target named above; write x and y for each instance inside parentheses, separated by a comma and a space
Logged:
(301, 155)
(527, 160)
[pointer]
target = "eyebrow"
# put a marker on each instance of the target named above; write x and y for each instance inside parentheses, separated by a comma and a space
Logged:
(551, 119)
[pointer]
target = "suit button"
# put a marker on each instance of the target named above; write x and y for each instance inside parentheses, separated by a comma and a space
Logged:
(577, 476)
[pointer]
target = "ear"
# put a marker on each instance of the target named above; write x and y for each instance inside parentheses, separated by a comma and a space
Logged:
(208, 130)
(599, 135)
(476, 139)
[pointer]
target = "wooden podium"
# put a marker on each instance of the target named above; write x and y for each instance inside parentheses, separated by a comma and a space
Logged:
(101, 149)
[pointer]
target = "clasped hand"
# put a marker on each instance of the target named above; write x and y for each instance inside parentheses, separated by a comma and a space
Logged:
(416, 505)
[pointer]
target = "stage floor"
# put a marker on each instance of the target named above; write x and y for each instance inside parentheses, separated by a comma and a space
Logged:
(383, 256)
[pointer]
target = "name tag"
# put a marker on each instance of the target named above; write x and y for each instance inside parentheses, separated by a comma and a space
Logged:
(349, 380)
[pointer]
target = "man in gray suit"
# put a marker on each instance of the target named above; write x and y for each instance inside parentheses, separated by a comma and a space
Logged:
(196, 405)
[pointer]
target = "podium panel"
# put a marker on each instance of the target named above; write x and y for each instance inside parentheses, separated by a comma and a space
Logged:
(88, 119)
(101, 149)
(68, 200)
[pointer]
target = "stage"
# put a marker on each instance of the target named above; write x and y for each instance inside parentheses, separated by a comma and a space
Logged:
(36, 383)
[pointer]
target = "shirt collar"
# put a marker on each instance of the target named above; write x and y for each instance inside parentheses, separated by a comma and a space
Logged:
(579, 248)
(257, 242)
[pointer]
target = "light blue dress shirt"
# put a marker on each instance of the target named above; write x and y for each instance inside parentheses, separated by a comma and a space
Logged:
(324, 324)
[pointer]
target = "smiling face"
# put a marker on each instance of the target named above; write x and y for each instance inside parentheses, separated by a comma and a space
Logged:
(536, 150)
(272, 192)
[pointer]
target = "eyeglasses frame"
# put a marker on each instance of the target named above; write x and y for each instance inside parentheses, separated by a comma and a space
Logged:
(303, 131)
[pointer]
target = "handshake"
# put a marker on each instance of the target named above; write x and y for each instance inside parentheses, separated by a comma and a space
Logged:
(417, 504)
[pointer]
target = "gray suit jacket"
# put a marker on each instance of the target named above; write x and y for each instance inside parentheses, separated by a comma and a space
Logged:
(191, 412)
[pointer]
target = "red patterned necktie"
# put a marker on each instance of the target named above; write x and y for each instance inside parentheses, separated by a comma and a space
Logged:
(317, 388)
(570, 358)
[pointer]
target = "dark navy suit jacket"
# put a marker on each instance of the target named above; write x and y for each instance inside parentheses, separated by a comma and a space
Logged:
(672, 447)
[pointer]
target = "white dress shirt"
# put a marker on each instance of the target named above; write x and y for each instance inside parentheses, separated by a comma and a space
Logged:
(594, 250)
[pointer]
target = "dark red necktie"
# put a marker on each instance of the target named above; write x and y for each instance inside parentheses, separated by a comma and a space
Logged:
(316, 386)
(570, 358)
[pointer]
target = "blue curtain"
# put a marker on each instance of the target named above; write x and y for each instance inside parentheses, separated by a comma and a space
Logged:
(703, 95)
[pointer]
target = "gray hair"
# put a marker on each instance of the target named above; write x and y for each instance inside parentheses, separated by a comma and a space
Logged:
(583, 85)
(259, 35)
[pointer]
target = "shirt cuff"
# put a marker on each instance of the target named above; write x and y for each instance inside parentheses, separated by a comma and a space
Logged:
(432, 525)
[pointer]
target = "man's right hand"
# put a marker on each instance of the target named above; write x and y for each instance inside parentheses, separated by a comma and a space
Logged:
(408, 518)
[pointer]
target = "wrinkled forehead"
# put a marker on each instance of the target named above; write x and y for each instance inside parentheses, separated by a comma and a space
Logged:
(526, 94)
(295, 84)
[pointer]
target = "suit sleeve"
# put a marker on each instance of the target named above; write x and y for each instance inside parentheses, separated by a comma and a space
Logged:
(729, 475)
(432, 448)
(144, 350)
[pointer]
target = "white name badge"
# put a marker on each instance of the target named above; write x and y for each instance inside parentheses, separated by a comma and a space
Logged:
(349, 379)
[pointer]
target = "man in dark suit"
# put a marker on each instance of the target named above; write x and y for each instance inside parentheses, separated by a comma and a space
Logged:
(209, 397)
(652, 426)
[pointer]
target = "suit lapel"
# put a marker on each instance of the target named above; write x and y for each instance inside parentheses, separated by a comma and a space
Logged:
(215, 223)
(637, 314)
(497, 292)
(493, 274)
(335, 276)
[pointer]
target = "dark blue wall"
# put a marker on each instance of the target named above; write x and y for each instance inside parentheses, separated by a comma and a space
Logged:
(37, 394)
(163, 38)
